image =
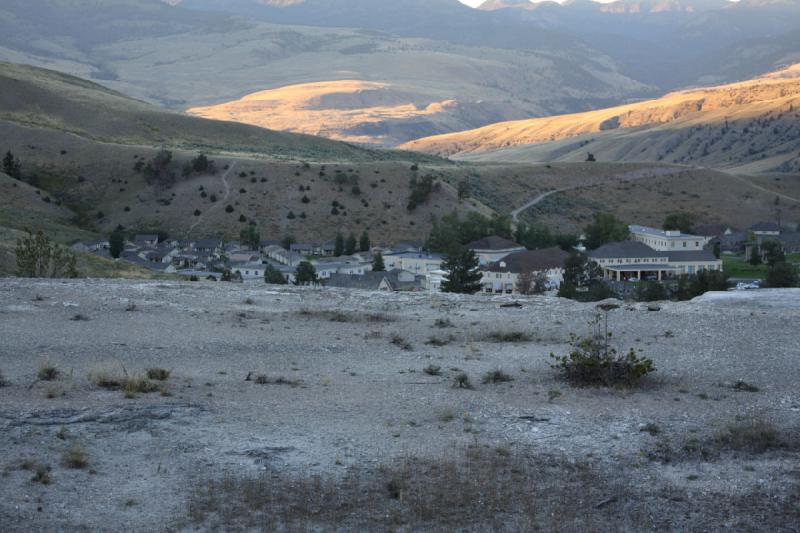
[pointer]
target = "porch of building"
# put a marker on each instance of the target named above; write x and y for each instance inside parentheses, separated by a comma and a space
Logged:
(641, 271)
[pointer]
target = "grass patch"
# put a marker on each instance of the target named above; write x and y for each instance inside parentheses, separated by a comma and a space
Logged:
(496, 376)
(158, 374)
(752, 436)
(744, 386)
(462, 381)
(263, 379)
(344, 316)
(440, 341)
(401, 342)
(75, 457)
(651, 428)
(475, 489)
(433, 370)
(138, 385)
(47, 372)
(442, 323)
(507, 336)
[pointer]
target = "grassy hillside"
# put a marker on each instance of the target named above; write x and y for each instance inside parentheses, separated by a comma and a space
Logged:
(353, 111)
(753, 123)
(39, 98)
(80, 142)
(25, 208)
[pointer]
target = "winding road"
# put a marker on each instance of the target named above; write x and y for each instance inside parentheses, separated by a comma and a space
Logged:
(227, 187)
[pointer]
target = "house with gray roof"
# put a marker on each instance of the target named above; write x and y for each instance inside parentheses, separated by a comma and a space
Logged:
(393, 280)
(502, 276)
(145, 240)
(493, 248)
(634, 260)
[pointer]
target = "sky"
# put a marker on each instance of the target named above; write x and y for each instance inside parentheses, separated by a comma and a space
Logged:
(476, 3)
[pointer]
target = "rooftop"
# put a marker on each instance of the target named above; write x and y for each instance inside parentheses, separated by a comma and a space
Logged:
(625, 249)
(493, 242)
(530, 261)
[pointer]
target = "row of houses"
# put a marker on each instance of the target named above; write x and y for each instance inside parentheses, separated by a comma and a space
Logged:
(647, 253)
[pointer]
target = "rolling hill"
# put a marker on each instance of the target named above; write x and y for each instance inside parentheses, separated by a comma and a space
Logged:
(80, 145)
(355, 111)
(751, 125)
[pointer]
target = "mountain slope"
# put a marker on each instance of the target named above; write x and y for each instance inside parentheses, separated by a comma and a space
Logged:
(728, 126)
(184, 58)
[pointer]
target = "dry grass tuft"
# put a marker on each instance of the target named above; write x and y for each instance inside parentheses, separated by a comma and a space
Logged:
(76, 457)
(507, 336)
(496, 376)
(158, 374)
(47, 371)
(400, 341)
(263, 379)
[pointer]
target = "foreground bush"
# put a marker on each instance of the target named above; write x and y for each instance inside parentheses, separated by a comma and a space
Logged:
(593, 362)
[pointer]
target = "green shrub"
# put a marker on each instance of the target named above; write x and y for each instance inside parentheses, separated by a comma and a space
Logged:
(47, 372)
(158, 374)
(592, 362)
(496, 376)
(76, 457)
(433, 370)
(461, 381)
(507, 336)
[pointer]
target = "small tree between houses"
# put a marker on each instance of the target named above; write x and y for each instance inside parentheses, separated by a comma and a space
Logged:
(306, 274)
(377, 263)
(273, 276)
(463, 275)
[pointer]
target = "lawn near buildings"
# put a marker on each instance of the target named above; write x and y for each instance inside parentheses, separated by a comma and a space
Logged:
(737, 267)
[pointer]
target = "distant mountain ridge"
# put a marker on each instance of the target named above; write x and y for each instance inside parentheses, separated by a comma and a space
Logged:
(754, 124)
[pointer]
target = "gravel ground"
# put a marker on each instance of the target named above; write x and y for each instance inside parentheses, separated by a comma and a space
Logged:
(355, 397)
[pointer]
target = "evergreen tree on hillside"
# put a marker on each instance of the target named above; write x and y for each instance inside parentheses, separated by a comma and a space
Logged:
(377, 263)
(364, 243)
(250, 237)
(12, 166)
(338, 247)
(463, 275)
(116, 243)
(350, 244)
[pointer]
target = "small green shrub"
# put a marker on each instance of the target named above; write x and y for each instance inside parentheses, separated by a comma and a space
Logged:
(400, 341)
(158, 374)
(744, 386)
(496, 376)
(461, 381)
(592, 362)
(443, 323)
(439, 341)
(263, 379)
(138, 384)
(433, 370)
(507, 336)
(76, 457)
(48, 372)
(651, 428)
